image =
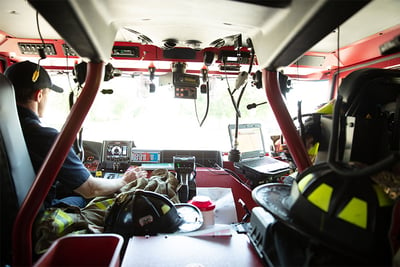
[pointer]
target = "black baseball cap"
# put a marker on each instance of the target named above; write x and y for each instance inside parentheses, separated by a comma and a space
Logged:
(21, 75)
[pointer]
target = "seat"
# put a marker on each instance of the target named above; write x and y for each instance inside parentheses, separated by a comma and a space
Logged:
(371, 104)
(16, 170)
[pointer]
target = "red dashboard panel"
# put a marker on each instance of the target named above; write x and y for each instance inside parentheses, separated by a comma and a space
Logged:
(208, 177)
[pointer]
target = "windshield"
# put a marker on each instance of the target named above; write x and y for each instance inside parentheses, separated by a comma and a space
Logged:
(160, 121)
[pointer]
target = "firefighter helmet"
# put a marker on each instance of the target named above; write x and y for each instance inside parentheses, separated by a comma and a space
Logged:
(148, 213)
(349, 215)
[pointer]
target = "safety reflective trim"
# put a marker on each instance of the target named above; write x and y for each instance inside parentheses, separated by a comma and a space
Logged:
(62, 219)
(383, 198)
(321, 196)
(314, 149)
(165, 208)
(145, 220)
(304, 181)
(355, 212)
(46, 215)
(105, 204)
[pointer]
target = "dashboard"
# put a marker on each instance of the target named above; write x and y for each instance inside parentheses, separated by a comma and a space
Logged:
(115, 156)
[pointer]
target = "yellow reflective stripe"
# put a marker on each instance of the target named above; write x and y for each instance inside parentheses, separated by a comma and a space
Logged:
(62, 219)
(46, 215)
(383, 198)
(314, 149)
(327, 108)
(304, 181)
(110, 201)
(165, 208)
(355, 212)
(105, 204)
(321, 196)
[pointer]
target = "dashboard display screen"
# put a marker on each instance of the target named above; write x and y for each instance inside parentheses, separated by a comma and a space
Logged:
(116, 150)
(145, 156)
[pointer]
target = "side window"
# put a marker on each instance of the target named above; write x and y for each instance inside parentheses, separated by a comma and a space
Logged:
(312, 95)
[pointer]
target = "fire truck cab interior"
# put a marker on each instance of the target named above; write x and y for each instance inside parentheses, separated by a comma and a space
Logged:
(340, 209)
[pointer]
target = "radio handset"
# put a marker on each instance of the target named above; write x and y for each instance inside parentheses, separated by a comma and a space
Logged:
(185, 170)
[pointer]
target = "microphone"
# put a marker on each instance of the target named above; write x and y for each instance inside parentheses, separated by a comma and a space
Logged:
(254, 105)
(204, 74)
(241, 79)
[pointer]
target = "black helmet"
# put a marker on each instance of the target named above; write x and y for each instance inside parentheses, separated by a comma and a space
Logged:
(348, 215)
(145, 213)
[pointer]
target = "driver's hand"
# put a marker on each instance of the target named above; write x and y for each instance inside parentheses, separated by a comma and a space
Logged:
(133, 173)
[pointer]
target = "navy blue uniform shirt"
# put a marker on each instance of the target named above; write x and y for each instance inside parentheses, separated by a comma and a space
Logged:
(39, 140)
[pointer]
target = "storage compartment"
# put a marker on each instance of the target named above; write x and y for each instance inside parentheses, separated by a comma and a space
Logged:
(84, 250)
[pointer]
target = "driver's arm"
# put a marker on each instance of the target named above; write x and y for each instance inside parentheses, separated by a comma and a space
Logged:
(94, 187)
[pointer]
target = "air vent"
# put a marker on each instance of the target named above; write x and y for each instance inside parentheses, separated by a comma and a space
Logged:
(269, 3)
(141, 37)
(169, 44)
(218, 43)
(195, 44)
(144, 39)
(33, 48)
(68, 51)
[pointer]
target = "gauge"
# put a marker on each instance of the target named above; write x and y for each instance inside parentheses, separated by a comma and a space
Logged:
(116, 150)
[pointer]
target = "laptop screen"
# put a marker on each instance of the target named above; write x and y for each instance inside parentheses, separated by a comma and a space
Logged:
(250, 139)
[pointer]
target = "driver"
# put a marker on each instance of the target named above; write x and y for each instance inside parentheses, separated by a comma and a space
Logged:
(32, 84)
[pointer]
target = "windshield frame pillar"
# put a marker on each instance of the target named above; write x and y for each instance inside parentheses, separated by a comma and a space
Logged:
(22, 230)
(285, 121)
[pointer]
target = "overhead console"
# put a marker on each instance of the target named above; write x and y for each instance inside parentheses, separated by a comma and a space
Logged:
(28, 49)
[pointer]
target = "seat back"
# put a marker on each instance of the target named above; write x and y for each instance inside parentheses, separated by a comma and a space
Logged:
(371, 104)
(16, 170)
